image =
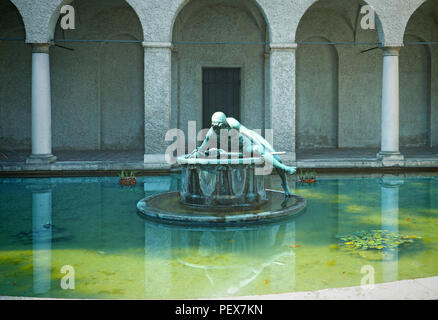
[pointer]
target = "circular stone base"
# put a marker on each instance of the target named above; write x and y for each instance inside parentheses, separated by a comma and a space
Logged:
(166, 207)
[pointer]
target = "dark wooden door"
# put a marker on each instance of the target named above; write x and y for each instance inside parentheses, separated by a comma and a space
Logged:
(220, 92)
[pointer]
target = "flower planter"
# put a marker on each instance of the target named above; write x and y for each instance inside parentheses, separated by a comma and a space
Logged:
(130, 181)
(308, 180)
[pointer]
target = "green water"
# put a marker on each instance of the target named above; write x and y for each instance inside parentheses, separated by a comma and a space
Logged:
(91, 225)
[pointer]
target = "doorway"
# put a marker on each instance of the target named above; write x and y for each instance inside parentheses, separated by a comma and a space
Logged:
(220, 92)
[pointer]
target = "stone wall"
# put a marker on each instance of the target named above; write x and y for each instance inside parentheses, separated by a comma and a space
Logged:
(98, 89)
(218, 22)
(15, 81)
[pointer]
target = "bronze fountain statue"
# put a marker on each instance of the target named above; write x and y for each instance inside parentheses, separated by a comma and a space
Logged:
(225, 186)
(250, 143)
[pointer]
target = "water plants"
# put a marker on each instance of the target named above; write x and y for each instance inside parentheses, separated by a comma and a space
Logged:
(376, 245)
(307, 176)
(127, 178)
(376, 239)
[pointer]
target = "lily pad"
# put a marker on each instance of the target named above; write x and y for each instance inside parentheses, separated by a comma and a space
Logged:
(376, 239)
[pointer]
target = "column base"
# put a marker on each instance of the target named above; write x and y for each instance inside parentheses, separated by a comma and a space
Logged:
(390, 159)
(41, 159)
(390, 156)
(155, 162)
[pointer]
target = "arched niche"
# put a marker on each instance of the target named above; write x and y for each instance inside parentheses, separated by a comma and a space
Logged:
(338, 86)
(98, 89)
(317, 96)
(236, 33)
(418, 79)
(415, 94)
(15, 81)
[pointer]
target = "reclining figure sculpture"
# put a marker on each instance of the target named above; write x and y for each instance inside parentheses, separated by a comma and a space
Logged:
(250, 143)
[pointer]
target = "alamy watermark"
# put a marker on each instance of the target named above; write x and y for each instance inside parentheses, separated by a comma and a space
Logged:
(68, 281)
(68, 20)
(229, 145)
(368, 21)
(368, 280)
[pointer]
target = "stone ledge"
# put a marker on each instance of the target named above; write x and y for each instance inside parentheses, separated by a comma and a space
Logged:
(416, 289)
(155, 163)
(42, 159)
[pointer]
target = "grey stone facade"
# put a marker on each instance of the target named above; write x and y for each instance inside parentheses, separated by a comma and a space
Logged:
(125, 96)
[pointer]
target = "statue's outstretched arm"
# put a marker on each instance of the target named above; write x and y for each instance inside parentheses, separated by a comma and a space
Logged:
(208, 136)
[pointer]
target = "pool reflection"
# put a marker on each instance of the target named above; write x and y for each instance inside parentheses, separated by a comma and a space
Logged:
(223, 261)
(41, 236)
(182, 262)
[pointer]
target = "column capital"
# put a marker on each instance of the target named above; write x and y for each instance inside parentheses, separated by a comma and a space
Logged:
(391, 50)
(157, 45)
(40, 47)
(283, 46)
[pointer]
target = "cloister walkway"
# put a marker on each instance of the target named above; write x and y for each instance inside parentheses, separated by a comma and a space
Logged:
(14, 162)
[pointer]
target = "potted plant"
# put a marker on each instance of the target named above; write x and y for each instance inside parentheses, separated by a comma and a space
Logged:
(127, 178)
(307, 176)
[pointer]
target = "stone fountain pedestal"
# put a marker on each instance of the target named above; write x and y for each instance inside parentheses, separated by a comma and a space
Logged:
(220, 191)
(221, 183)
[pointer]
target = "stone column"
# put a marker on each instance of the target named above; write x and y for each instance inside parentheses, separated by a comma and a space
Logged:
(390, 106)
(157, 87)
(41, 107)
(282, 78)
(390, 216)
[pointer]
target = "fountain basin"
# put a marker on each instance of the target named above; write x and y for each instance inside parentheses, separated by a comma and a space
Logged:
(167, 208)
(221, 183)
(217, 191)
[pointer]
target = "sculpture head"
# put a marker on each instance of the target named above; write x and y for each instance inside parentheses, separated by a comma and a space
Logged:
(219, 120)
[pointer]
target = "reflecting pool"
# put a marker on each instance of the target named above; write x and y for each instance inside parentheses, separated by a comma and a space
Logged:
(82, 238)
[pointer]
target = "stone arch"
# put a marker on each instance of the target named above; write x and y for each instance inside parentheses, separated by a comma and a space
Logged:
(218, 22)
(242, 4)
(327, 4)
(103, 108)
(355, 89)
(40, 18)
(54, 14)
(15, 80)
(393, 19)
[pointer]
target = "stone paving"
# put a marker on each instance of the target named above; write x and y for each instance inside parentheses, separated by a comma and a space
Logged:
(359, 158)
(415, 289)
